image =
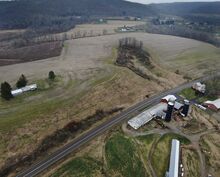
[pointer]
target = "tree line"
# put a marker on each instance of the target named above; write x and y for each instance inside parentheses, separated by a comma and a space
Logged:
(130, 42)
(184, 32)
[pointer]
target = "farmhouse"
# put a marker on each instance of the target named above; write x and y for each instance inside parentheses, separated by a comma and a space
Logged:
(214, 105)
(199, 87)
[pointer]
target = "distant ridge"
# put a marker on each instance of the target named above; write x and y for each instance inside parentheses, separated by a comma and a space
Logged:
(26, 13)
(22, 13)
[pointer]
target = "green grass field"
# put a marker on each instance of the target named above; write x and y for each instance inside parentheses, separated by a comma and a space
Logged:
(24, 108)
(188, 93)
(160, 158)
(80, 167)
(196, 62)
(122, 157)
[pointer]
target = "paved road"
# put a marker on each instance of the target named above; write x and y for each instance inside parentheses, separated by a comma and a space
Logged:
(125, 115)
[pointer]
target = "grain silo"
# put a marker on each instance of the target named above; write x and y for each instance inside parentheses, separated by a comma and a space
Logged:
(169, 112)
(185, 110)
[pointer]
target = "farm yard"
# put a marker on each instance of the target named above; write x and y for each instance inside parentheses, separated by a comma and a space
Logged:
(118, 149)
(86, 71)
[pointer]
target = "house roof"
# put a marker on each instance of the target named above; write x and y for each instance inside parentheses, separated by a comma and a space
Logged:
(177, 105)
(169, 98)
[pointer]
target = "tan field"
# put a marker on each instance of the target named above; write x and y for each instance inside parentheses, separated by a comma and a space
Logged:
(87, 73)
(81, 55)
(110, 26)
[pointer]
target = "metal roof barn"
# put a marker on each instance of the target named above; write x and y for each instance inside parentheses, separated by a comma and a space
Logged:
(213, 104)
(168, 98)
(24, 89)
(147, 116)
(16, 92)
(174, 159)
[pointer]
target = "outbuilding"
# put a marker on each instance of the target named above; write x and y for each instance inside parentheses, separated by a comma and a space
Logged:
(148, 115)
(24, 89)
(168, 98)
(199, 87)
(174, 159)
(214, 105)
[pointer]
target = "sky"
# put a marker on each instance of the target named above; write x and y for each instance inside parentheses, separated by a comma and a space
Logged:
(164, 1)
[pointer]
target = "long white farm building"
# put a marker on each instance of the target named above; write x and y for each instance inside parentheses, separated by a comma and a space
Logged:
(24, 89)
(148, 115)
(174, 159)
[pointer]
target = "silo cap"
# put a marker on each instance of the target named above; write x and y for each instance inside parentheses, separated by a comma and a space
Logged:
(171, 103)
(186, 101)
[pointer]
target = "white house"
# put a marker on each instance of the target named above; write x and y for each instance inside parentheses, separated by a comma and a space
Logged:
(199, 87)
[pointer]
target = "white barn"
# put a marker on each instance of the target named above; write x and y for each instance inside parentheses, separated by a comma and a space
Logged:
(148, 115)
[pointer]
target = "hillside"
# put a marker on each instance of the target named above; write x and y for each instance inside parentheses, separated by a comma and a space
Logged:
(199, 12)
(27, 13)
(186, 8)
(61, 15)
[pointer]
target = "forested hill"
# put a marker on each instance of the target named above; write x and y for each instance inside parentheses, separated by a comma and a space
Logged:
(59, 15)
(186, 8)
(208, 12)
(25, 13)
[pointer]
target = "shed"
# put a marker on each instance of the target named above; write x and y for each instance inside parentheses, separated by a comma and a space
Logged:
(24, 89)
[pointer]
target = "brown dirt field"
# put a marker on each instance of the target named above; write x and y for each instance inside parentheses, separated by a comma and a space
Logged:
(198, 121)
(210, 145)
(190, 163)
(30, 53)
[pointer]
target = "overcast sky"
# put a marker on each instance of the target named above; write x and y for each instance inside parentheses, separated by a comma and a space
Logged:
(161, 1)
(164, 1)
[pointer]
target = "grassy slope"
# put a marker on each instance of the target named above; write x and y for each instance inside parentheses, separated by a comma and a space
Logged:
(211, 150)
(191, 163)
(197, 61)
(38, 104)
(160, 158)
(122, 157)
(79, 167)
(24, 110)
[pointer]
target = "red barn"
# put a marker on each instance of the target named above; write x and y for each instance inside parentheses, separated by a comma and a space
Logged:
(214, 105)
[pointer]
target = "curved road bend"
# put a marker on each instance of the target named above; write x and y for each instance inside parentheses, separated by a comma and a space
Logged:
(125, 115)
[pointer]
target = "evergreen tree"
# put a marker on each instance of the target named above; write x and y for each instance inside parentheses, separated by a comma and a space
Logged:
(6, 91)
(51, 75)
(22, 82)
